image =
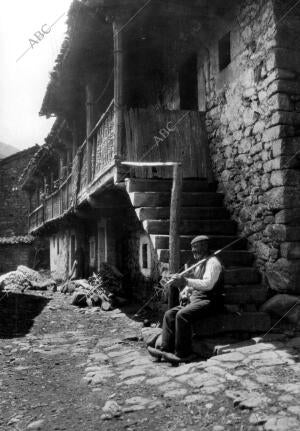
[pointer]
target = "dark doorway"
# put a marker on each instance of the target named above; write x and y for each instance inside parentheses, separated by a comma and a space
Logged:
(188, 84)
(73, 246)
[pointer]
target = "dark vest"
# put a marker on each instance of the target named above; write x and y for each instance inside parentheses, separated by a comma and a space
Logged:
(218, 291)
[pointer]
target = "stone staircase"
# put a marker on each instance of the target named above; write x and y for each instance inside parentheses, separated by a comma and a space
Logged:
(203, 213)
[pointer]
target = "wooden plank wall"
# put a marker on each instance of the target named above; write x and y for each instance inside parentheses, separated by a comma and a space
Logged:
(187, 143)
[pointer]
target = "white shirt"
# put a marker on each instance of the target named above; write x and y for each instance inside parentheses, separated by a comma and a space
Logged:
(210, 277)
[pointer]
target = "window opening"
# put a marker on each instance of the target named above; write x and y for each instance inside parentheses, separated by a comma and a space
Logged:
(145, 256)
(188, 84)
(224, 51)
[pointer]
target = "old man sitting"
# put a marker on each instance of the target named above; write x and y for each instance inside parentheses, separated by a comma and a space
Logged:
(201, 295)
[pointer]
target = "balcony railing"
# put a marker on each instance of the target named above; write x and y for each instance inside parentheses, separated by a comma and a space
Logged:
(103, 142)
(54, 206)
(102, 148)
(36, 218)
(102, 158)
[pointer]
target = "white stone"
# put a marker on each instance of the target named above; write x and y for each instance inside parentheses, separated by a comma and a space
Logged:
(175, 393)
(282, 424)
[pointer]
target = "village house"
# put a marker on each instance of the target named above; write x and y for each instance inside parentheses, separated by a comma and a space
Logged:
(17, 247)
(213, 85)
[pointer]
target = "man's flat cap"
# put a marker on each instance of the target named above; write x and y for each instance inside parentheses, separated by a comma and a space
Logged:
(199, 238)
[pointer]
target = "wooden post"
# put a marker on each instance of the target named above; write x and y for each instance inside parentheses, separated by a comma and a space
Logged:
(118, 85)
(89, 128)
(74, 139)
(175, 210)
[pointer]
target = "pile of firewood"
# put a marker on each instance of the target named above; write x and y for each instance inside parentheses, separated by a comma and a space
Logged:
(103, 289)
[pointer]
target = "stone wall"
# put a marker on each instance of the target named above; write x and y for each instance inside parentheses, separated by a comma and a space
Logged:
(16, 248)
(12, 255)
(285, 198)
(14, 202)
(15, 251)
(249, 119)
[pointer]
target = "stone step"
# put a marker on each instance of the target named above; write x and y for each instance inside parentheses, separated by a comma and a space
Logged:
(161, 199)
(191, 227)
(228, 257)
(255, 322)
(216, 241)
(146, 185)
(236, 276)
(245, 294)
(187, 213)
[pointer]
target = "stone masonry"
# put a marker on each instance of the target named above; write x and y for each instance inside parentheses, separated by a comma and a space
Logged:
(253, 126)
(16, 247)
(14, 202)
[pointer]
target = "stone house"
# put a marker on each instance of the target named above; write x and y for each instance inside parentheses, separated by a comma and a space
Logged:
(210, 84)
(17, 247)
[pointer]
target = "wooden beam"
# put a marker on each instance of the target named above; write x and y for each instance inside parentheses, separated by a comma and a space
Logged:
(74, 139)
(149, 164)
(118, 82)
(89, 127)
(175, 210)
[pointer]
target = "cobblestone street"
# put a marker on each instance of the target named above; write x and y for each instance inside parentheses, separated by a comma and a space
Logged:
(84, 369)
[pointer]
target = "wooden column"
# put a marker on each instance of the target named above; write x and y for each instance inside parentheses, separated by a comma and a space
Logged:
(74, 139)
(118, 83)
(89, 128)
(175, 212)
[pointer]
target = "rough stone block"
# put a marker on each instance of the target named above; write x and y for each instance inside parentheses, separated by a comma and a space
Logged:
(262, 250)
(284, 276)
(245, 145)
(288, 216)
(276, 132)
(285, 177)
(281, 86)
(246, 322)
(283, 305)
(259, 127)
(281, 197)
(280, 232)
(284, 117)
(272, 165)
(280, 101)
(289, 145)
(250, 117)
(290, 250)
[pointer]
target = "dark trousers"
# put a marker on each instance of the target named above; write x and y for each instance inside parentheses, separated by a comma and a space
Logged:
(178, 320)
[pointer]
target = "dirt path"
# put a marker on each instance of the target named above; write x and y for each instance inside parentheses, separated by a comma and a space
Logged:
(59, 373)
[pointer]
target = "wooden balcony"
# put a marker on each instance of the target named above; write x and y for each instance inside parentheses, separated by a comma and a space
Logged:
(78, 183)
(54, 206)
(150, 136)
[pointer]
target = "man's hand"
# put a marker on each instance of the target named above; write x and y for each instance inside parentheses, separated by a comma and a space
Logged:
(178, 281)
(184, 296)
(187, 291)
